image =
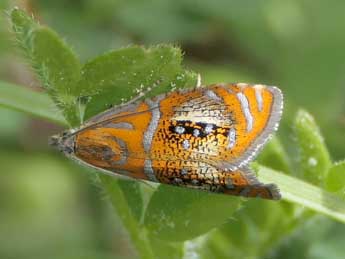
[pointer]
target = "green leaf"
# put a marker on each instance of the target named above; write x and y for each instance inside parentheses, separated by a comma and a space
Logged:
(178, 214)
(304, 194)
(23, 24)
(132, 193)
(313, 155)
(335, 180)
(54, 62)
(168, 250)
(25, 100)
(314, 232)
(275, 156)
(128, 214)
(123, 74)
(103, 82)
(239, 237)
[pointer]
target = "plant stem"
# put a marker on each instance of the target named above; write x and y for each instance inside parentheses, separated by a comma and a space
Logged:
(305, 194)
(137, 233)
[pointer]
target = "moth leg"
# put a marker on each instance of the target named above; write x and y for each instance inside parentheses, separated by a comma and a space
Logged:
(201, 176)
(150, 185)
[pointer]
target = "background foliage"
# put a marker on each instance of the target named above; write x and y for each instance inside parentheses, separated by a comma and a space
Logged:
(50, 208)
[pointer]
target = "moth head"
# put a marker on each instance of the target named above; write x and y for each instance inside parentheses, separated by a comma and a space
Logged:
(64, 142)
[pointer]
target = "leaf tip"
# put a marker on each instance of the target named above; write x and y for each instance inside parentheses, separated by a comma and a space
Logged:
(21, 20)
(303, 117)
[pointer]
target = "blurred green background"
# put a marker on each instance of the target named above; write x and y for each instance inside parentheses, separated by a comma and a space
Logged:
(48, 205)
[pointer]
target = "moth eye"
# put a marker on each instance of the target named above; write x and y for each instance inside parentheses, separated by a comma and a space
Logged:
(180, 129)
(68, 150)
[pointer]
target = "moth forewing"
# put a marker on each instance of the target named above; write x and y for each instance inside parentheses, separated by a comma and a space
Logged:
(201, 138)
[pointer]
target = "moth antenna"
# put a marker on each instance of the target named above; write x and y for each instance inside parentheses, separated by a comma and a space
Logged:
(140, 94)
(132, 100)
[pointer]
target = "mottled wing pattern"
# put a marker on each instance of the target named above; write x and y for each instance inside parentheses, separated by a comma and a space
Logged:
(222, 125)
(113, 140)
(201, 138)
(202, 176)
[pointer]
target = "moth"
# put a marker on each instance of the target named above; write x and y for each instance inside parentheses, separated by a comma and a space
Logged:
(202, 138)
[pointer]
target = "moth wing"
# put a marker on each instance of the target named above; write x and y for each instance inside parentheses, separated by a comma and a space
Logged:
(224, 125)
(201, 176)
(254, 188)
(112, 140)
(256, 110)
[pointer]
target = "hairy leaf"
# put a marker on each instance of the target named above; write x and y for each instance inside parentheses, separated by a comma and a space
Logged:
(120, 75)
(335, 181)
(178, 214)
(54, 62)
(313, 155)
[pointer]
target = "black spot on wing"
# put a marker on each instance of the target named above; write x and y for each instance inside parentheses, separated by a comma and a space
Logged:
(197, 129)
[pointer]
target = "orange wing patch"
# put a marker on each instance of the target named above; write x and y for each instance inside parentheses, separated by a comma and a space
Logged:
(223, 125)
(256, 113)
(115, 144)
